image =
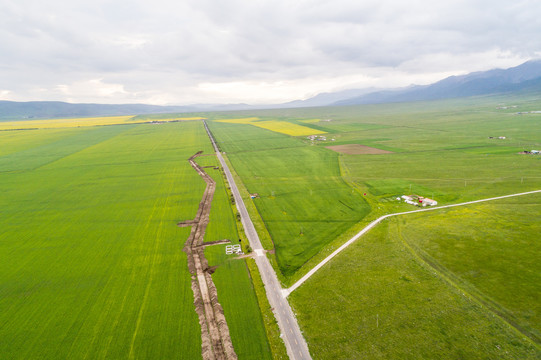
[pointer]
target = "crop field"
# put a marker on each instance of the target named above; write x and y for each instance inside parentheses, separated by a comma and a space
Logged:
(456, 284)
(82, 122)
(92, 257)
(422, 149)
(302, 198)
(92, 263)
(283, 127)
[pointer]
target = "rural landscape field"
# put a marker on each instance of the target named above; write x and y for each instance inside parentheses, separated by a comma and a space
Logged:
(461, 283)
(95, 218)
(270, 180)
(92, 257)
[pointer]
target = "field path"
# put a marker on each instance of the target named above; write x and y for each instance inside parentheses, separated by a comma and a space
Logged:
(291, 334)
(377, 221)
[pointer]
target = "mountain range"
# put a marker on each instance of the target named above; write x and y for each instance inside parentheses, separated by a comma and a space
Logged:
(522, 78)
(525, 77)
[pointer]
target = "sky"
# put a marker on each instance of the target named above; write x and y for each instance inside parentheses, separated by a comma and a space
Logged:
(179, 52)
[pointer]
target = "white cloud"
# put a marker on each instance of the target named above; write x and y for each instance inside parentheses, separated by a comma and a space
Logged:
(205, 51)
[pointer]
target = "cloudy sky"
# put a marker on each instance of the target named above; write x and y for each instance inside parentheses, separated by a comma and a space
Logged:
(256, 51)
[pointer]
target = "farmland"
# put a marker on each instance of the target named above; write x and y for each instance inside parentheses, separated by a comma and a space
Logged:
(378, 300)
(283, 127)
(95, 266)
(407, 289)
(84, 122)
(300, 188)
(92, 263)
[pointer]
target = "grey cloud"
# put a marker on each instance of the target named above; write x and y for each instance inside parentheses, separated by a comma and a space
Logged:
(173, 46)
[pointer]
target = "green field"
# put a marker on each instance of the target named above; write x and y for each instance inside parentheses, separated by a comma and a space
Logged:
(490, 250)
(303, 200)
(92, 263)
(376, 300)
(413, 288)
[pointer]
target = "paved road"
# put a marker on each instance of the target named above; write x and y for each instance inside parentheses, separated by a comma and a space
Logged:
(291, 334)
(378, 220)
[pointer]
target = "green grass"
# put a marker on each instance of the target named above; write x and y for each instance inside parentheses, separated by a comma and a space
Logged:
(416, 287)
(377, 301)
(491, 250)
(441, 150)
(92, 263)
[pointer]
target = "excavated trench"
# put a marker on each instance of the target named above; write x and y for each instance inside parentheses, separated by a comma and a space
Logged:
(216, 341)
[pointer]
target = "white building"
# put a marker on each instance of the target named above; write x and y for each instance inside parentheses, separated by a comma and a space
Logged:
(429, 202)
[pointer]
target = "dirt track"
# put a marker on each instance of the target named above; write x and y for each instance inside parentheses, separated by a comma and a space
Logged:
(215, 339)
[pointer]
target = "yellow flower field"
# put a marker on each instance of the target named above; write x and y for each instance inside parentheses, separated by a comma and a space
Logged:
(79, 122)
(240, 121)
(282, 127)
(287, 128)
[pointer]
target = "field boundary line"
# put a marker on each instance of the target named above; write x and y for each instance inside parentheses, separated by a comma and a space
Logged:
(309, 274)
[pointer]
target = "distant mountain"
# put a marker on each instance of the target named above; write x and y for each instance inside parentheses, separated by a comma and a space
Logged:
(55, 109)
(11, 110)
(324, 99)
(525, 77)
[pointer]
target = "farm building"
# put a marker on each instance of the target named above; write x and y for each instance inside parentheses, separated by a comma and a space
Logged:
(429, 202)
(418, 200)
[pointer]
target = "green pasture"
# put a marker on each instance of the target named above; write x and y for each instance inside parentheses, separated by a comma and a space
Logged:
(456, 283)
(92, 263)
(440, 150)
(490, 250)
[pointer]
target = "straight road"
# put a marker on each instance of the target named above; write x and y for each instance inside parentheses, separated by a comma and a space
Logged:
(377, 221)
(296, 346)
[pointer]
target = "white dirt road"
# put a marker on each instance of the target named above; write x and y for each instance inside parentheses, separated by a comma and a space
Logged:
(377, 221)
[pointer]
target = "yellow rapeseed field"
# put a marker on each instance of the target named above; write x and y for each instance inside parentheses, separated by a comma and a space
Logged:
(287, 128)
(79, 122)
(240, 121)
(60, 123)
(282, 127)
(186, 118)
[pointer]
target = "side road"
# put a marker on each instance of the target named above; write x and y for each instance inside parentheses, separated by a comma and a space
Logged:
(291, 334)
(289, 290)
